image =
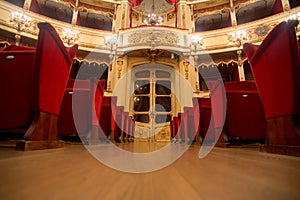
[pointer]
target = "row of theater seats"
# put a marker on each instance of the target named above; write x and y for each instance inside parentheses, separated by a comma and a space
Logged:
(244, 117)
(76, 115)
(122, 125)
(268, 108)
(40, 100)
(32, 84)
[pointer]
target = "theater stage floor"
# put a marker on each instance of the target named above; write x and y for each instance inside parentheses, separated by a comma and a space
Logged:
(73, 173)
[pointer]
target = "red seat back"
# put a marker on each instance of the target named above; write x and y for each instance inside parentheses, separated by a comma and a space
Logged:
(53, 62)
(16, 86)
(275, 65)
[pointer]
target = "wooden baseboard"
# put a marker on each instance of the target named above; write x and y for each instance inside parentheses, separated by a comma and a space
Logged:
(39, 145)
(280, 149)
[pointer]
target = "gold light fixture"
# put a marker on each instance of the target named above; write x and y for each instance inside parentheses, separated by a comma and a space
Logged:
(239, 37)
(21, 21)
(111, 42)
(69, 36)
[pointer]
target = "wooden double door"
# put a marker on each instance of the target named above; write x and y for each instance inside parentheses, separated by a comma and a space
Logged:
(152, 102)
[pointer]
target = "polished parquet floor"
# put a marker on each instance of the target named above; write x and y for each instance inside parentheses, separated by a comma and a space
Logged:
(239, 173)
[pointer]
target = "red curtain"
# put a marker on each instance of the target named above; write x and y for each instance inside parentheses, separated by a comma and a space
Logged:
(136, 2)
(277, 7)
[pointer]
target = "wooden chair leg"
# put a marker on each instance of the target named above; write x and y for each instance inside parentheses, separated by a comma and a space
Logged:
(282, 137)
(42, 133)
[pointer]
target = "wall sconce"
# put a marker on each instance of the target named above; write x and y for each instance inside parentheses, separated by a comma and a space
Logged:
(239, 37)
(295, 16)
(195, 42)
(69, 36)
(111, 42)
(21, 21)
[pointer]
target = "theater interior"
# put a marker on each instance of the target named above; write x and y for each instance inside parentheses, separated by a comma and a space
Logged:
(150, 99)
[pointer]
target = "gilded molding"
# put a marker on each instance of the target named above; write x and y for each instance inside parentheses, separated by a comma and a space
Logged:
(152, 36)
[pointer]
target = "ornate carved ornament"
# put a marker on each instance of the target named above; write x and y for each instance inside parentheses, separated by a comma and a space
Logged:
(153, 36)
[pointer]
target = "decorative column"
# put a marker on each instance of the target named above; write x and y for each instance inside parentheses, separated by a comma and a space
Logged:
(232, 14)
(75, 13)
(119, 66)
(184, 16)
(240, 66)
(27, 4)
(122, 17)
(186, 64)
(285, 5)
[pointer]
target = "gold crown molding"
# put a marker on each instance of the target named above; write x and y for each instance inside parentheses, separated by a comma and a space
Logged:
(221, 11)
(241, 4)
(93, 9)
(66, 3)
(211, 10)
(101, 12)
(152, 36)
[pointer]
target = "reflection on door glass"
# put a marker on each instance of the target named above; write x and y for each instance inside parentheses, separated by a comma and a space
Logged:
(142, 74)
(144, 118)
(162, 118)
(142, 87)
(141, 103)
(164, 104)
(163, 87)
(162, 74)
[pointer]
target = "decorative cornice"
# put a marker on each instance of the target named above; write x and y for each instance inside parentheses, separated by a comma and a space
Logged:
(153, 36)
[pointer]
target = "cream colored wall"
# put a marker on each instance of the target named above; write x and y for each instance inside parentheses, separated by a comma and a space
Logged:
(186, 78)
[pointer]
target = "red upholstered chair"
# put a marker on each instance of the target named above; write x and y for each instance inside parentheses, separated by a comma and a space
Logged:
(275, 65)
(79, 95)
(206, 119)
(245, 114)
(105, 118)
(96, 96)
(82, 100)
(215, 133)
(117, 119)
(175, 125)
(190, 127)
(16, 87)
(52, 64)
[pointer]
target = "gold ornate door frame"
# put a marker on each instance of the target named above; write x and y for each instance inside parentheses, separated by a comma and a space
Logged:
(152, 101)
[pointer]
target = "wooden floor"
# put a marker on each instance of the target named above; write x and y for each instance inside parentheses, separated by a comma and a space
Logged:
(73, 173)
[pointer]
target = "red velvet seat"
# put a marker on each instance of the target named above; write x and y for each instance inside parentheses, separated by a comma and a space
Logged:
(52, 66)
(105, 117)
(16, 86)
(175, 125)
(66, 122)
(189, 125)
(206, 119)
(213, 113)
(275, 65)
(117, 119)
(245, 115)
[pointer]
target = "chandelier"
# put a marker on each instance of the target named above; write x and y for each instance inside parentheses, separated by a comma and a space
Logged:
(152, 18)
